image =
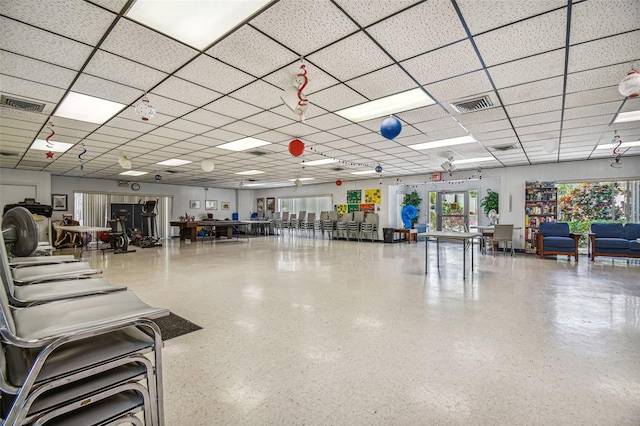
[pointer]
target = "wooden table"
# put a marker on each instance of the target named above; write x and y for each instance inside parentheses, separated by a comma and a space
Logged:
(409, 234)
(188, 230)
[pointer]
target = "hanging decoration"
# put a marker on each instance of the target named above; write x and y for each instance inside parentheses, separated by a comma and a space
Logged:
(296, 147)
(124, 162)
(144, 109)
(298, 183)
(241, 185)
(550, 146)
(83, 152)
(378, 169)
(337, 160)
(390, 127)
(207, 165)
(338, 182)
(616, 153)
(293, 97)
(629, 87)
(158, 178)
(49, 143)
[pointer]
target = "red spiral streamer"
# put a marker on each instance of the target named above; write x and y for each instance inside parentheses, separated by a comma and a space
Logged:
(303, 74)
(50, 144)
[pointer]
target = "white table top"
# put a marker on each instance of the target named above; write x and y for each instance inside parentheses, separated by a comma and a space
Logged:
(75, 228)
(443, 234)
(490, 228)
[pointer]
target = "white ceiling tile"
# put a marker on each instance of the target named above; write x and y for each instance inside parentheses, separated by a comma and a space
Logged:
(211, 73)
(168, 107)
(481, 16)
(340, 144)
(597, 78)
(449, 61)
(576, 131)
(363, 12)
(111, 67)
(273, 137)
(143, 45)
(433, 125)
(297, 130)
(327, 121)
(631, 105)
(538, 128)
(244, 128)
(269, 119)
(80, 21)
(100, 88)
(416, 37)
(38, 71)
(534, 107)
(530, 91)
(321, 137)
(600, 18)
(27, 89)
(344, 59)
(453, 132)
(541, 136)
(122, 133)
(603, 52)
(312, 111)
(223, 136)
(232, 107)
(385, 144)
(252, 52)
(461, 87)
(431, 112)
(543, 118)
(133, 125)
(188, 126)
(113, 5)
(527, 70)
(609, 108)
(491, 114)
(336, 97)
(185, 91)
(260, 94)
(28, 116)
(488, 126)
(384, 82)
(530, 37)
(157, 140)
(208, 118)
(589, 121)
(349, 131)
(29, 41)
(328, 22)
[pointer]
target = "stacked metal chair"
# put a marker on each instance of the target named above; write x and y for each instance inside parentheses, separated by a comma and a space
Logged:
(309, 224)
(369, 228)
(341, 225)
(277, 223)
(329, 224)
(81, 360)
(353, 226)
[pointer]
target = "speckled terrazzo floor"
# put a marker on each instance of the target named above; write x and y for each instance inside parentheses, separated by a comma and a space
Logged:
(301, 331)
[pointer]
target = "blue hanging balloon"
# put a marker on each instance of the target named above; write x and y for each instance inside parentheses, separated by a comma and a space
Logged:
(378, 168)
(390, 127)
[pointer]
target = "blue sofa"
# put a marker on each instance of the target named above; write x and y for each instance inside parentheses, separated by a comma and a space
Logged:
(556, 238)
(614, 240)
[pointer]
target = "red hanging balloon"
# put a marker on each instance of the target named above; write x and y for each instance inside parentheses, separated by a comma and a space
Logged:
(338, 182)
(296, 147)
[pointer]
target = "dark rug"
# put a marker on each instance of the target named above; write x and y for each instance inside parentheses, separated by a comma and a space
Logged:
(174, 325)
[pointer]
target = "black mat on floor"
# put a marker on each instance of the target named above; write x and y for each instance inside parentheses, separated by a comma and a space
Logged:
(174, 325)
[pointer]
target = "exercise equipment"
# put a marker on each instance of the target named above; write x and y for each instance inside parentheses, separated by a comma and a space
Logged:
(118, 237)
(150, 239)
(20, 231)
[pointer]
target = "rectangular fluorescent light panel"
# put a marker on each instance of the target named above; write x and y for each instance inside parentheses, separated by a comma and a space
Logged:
(174, 162)
(300, 179)
(133, 173)
(243, 144)
(393, 104)
(443, 142)
(365, 172)
(81, 107)
(196, 23)
(473, 160)
(253, 184)
(624, 117)
(41, 145)
(319, 162)
(623, 145)
(250, 172)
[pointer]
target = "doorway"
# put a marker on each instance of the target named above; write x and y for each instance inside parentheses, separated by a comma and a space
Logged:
(452, 211)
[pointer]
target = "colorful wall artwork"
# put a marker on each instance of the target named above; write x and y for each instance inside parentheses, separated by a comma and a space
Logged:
(353, 208)
(354, 196)
(341, 209)
(367, 208)
(373, 196)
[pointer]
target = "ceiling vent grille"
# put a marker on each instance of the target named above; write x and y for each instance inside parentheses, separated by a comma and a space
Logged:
(258, 153)
(9, 153)
(503, 147)
(337, 169)
(471, 105)
(21, 104)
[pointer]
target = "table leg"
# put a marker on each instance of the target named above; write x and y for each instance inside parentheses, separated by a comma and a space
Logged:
(464, 259)
(472, 254)
(426, 256)
(438, 250)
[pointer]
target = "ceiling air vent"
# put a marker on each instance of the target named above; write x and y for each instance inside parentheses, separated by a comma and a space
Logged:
(471, 105)
(9, 153)
(503, 147)
(258, 153)
(337, 169)
(21, 104)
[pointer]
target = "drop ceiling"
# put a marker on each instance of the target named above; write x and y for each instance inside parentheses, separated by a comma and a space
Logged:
(550, 68)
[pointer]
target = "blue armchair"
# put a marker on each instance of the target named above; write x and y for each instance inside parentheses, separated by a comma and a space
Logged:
(556, 238)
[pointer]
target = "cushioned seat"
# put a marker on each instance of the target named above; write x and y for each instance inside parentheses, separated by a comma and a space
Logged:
(614, 239)
(556, 238)
(612, 243)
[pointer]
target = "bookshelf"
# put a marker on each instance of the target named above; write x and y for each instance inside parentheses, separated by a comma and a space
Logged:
(541, 205)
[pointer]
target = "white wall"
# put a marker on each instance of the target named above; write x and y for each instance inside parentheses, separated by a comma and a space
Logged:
(15, 185)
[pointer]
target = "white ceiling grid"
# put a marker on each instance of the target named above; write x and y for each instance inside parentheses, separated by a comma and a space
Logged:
(514, 51)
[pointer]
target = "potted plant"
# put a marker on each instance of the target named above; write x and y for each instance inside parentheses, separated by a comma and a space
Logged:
(490, 202)
(412, 199)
